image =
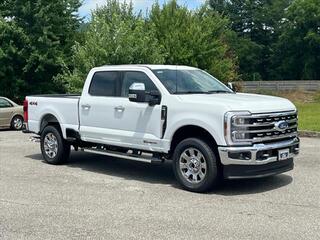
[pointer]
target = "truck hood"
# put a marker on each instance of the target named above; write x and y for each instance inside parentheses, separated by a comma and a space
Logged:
(255, 103)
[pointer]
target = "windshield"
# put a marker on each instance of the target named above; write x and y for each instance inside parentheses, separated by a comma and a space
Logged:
(182, 81)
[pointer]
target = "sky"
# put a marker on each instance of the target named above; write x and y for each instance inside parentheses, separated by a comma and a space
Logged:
(89, 5)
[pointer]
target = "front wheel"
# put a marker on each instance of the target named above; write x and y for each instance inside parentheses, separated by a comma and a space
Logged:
(195, 165)
(55, 150)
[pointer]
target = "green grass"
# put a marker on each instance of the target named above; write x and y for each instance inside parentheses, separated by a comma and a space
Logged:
(307, 103)
(309, 116)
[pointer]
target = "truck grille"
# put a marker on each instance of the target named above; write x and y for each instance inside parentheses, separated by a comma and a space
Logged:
(264, 127)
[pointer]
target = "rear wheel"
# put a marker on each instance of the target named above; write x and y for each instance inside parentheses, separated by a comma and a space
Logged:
(55, 150)
(17, 123)
(195, 165)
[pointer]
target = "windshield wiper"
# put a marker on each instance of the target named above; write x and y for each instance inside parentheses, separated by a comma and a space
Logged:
(218, 91)
(191, 92)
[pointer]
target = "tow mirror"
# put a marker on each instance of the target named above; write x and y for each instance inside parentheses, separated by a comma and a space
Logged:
(231, 86)
(137, 92)
(154, 98)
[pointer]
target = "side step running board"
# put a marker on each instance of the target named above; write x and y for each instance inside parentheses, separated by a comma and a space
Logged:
(140, 158)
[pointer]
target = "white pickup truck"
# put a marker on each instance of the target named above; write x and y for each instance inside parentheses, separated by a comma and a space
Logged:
(153, 113)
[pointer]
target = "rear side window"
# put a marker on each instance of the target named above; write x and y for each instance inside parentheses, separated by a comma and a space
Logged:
(104, 84)
(4, 103)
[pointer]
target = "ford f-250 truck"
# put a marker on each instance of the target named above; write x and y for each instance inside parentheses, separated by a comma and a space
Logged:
(153, 113)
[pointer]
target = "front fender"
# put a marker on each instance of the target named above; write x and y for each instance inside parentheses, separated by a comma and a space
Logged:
(214, 125)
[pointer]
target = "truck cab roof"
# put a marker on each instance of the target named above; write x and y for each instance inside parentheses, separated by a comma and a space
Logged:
(150, 66)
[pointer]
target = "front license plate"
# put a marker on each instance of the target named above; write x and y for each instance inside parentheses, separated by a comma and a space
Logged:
(283, 154)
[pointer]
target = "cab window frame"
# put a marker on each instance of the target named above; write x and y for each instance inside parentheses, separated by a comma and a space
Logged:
(117, 84)
(123, 72)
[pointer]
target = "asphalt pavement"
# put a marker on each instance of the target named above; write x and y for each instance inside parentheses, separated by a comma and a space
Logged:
(99, 197)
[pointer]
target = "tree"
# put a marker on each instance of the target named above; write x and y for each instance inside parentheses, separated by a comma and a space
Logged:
(197, 38)
(50, 29)
(13, 42)
(258, 25)
(298, 49)
(115, 35)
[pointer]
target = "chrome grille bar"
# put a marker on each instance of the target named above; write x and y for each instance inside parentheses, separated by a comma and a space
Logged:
(259, 128)
(265, 124)
(267, 130)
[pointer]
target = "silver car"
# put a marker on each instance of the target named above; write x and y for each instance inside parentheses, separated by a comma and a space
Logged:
(11, 114)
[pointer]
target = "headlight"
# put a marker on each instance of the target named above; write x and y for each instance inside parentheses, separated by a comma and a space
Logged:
(235, 126)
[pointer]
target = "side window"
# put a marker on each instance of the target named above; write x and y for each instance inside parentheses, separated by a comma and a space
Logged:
(104, 84)
(4, 103)
(131, 77)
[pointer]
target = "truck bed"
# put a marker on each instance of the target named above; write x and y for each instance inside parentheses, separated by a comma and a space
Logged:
(62, 107)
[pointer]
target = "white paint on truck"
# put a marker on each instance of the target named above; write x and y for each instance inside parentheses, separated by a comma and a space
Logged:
(246, 129)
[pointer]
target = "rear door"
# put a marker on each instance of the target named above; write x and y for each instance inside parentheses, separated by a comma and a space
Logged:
(6, 111)
(97, 108)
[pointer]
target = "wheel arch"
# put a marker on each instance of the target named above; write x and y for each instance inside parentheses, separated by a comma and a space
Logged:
(189, 131)
(15, 115)
(49, 120)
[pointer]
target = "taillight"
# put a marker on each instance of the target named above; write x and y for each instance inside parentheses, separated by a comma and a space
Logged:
(25, 110)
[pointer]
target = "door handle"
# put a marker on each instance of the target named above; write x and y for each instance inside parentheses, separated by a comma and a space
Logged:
(119, 108)
(86, 106)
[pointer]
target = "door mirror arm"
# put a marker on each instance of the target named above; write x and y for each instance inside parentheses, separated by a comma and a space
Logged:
(231, 86)
(154, 98)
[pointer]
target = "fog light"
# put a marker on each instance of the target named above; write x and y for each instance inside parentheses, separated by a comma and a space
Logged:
(240, 155)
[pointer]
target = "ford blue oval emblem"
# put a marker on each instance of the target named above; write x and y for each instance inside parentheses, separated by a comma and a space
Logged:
(281, 125)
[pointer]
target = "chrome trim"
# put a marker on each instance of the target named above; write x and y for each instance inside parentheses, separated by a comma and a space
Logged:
(233, 127)
(269, 124)
(272, 114)
(227, 126)
(265, 130)
(260, 139)
(225, 160)
(289, 135)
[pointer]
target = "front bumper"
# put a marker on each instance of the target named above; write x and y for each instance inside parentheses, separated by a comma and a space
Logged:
(258, 160)
(257, 171)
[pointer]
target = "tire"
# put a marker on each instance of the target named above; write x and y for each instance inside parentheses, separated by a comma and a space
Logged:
(195, 165)
(55, 150)
(17, 123)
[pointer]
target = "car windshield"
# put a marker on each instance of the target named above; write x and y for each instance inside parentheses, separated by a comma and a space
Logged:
(186, 81)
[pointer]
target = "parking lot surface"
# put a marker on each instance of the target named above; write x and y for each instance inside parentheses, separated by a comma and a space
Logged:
(98, 197)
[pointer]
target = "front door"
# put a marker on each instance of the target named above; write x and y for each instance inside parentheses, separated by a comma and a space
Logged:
(139, 123)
